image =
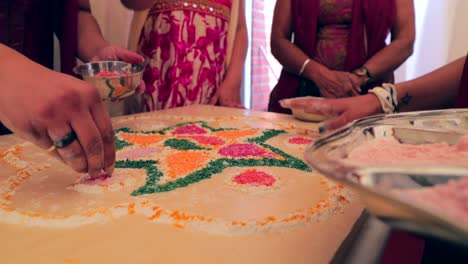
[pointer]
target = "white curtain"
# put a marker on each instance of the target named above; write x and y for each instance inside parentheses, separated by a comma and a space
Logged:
(441, 36)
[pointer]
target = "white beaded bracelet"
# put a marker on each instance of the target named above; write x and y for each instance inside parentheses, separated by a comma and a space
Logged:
(304, 65)
(387, 95)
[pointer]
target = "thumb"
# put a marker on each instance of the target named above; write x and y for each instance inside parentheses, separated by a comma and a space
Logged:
(128, 56)
(214, 98)
(141, 88)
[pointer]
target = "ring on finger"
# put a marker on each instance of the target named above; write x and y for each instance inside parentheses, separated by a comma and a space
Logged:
(63, 142)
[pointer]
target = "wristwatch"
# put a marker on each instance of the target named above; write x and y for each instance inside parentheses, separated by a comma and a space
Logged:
(363, 72)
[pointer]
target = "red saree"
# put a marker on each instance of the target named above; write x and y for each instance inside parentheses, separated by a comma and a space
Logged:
(377, 17)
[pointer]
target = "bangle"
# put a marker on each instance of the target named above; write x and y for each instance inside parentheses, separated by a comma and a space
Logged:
(304, 65)
(387, 95)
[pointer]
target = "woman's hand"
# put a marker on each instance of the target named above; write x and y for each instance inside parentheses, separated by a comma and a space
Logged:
(339, 111)
(111, 52)
(336, 84)
(227, 95)
(48, 106)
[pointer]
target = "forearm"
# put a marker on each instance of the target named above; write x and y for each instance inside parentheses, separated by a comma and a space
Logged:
(390, 58)
(385, 61)
(90, 39)
(235, 69)
(12, 63)
(292, 58)
(434, 90)
(138, 4)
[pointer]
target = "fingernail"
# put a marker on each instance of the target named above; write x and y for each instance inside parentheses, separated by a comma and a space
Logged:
(322, 129)
(109, 170)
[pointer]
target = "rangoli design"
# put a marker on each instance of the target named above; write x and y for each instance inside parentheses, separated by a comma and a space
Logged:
(197, 152)
(175, 158)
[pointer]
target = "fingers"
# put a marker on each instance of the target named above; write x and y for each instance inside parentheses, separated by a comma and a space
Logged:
(128, 56)
(356, 84)
(91, 141)
(334, 123)
(311, 105)
(104, 125)
(141, 88)
(73, 155)
(214, 99)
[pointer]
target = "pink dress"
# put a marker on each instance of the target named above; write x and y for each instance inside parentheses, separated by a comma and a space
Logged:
(334, 25)
(185, 43)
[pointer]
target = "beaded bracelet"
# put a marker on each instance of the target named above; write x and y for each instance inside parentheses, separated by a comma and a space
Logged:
(387, 95)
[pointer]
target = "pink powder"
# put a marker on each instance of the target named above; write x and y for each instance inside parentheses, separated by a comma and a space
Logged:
(451, 198)
(190, 130)
(390, 151)
(462, 144)
(255, 178)
(137, 153)
(300, 140)
(206, 140)
(102, 179)
(242, 150)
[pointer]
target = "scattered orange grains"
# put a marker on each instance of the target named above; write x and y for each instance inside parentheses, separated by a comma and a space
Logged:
(131, 208)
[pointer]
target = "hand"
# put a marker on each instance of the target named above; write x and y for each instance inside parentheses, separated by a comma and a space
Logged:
(111, 52)
(339, 111)
(48, 105)
(117, 53)
(336, 84)
(227, 95)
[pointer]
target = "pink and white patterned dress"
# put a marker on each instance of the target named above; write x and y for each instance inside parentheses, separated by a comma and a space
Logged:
(185, 43)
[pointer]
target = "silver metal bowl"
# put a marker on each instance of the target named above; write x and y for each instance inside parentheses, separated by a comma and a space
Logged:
(113, 79)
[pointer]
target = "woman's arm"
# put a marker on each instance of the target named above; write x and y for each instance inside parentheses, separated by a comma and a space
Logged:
(288, 54)
(437, 89)
(434, 90)
(137, 4)
(332, 84)
(91, 43)
(90, 39)
(48, 105)
(401, 46)
(228, 93)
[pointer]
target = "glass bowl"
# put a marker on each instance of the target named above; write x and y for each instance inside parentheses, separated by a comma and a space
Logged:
(416, 196)
(113, 79)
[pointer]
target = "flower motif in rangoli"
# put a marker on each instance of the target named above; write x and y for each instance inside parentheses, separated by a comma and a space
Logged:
(187, 153)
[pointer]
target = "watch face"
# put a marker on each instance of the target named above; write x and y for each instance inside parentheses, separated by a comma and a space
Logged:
(361, 72)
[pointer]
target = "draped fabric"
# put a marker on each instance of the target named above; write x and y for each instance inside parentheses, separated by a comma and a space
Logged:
(186, 46)
(462, 98)
(370, 24)
(28, 27)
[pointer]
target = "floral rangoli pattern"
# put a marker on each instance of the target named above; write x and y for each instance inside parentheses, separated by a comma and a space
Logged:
(199, 152)
(176, 157)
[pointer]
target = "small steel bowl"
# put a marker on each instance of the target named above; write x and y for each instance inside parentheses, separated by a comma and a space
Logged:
(113, 79)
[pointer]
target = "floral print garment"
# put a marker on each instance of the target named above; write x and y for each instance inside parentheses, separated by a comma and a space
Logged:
(185, 45)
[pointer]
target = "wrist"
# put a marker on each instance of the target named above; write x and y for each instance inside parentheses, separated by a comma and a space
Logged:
(315, 71)
(374, 104)
(363, 73)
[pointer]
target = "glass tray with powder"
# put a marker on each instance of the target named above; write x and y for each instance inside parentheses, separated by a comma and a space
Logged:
(410, 169)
